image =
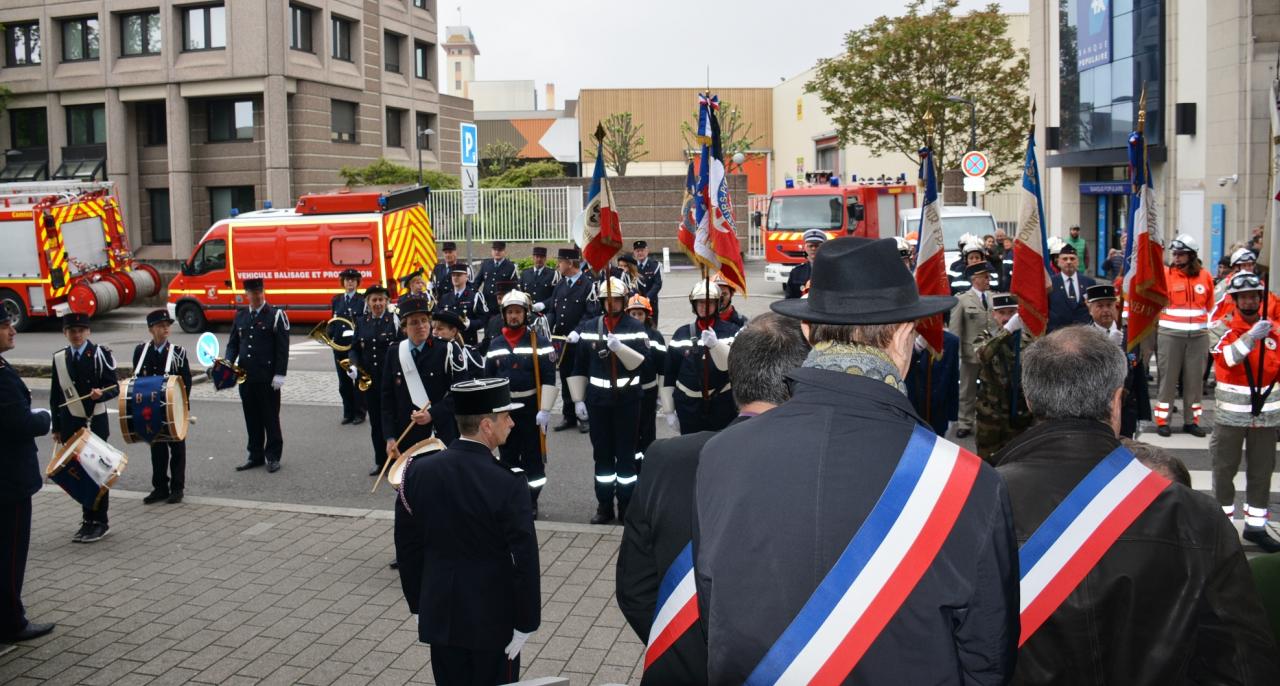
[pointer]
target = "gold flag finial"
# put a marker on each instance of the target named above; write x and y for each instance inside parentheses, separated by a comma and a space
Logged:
(928, 123)
(1142, 109)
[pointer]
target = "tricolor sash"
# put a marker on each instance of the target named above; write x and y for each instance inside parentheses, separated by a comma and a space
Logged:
(1080, 531)
(677, 606)
(880, 567)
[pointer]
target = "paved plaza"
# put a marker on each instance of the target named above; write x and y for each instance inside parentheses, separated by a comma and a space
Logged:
(233, 592)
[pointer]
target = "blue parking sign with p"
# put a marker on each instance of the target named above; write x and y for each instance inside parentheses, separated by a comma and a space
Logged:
(470, 145)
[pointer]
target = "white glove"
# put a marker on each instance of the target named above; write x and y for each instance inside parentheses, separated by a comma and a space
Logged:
(919, 344)
(1259, 330)
(352, 373)
(673, 421)
(539, 307)
(709, 338)
(543, 419)
(580, 409)
(517, 643)
(612, 342)
(573, 337)
(1014, 325)
(1116, 336)
(277, 381)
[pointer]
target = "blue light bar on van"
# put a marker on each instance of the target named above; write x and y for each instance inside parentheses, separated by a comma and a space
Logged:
(853, 178)
(791, 183)
(266, 204)
(835, 181)
(382, 203)
(235, 212)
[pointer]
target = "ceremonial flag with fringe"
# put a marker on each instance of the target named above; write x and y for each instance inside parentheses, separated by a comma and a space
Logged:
(1031, 270)
(931, 263)
(596, 230)
(1145, 290)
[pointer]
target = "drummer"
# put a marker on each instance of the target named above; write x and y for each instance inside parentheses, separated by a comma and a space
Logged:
(84, 379)
(159, 357)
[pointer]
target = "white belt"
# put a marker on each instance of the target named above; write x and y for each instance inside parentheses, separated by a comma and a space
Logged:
(623, 382)
(698, 393)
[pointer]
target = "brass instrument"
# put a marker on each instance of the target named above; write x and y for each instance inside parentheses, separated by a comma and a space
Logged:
(236, 369)
(320, 333)
(365, 380)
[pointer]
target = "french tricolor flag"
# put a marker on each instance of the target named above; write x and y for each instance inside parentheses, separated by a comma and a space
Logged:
(931, 262)
(1031, 270)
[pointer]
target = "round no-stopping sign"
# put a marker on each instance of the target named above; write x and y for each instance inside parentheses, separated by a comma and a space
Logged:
(974, 164)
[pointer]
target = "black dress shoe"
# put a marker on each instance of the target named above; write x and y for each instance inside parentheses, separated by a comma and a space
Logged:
(30, 631)
(583, 427)
(273, 466)
(963, 433)
(86, 526)
(357, 420)
(395, 564)
(154, 497)
(375, 471)
(347, 420)
(565, 425)
(174, 498)
(604, 515)
(1258, 536)
(1164, 431)
(97, 532)
(1194, 430)
(248, 464)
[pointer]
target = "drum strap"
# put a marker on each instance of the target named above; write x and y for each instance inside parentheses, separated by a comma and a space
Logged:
(74, 405)
(146, 348)
(417, 392)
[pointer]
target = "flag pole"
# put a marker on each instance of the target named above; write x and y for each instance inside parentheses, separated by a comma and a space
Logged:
(608, 282)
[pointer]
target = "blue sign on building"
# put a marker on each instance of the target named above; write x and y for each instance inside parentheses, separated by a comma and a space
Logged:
(1217, 223)
(1105, 187)
(1093, 41)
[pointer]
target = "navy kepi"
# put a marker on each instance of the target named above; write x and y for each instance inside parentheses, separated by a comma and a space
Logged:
(482, 396)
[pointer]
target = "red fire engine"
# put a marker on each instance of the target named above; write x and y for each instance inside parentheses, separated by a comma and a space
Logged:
(868, 208)
(65, 249)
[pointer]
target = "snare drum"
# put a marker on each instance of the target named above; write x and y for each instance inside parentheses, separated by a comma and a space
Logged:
(87, 467)
(395, 473)
(153, 409)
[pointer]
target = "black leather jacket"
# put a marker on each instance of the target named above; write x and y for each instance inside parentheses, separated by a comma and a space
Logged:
(1171, 602)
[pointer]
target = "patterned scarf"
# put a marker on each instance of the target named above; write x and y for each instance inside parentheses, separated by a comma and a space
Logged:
(858, 360)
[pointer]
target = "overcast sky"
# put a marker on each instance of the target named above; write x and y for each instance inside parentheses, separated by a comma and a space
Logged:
(652, 43)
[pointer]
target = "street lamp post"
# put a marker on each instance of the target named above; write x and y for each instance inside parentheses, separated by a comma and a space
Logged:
(422, 136)
(973, 131)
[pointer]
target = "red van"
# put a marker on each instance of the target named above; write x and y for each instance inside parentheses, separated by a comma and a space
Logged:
(299, 252)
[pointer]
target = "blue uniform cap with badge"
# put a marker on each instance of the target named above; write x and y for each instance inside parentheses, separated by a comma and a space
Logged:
(74, 320)
(349, 273)
(375, 289)
(253, 285)
(1102, 291)
(568, 254)
(539, 251)
(1003, 301)
(458, 268)
(639, 245)
(482, 396)
(158, 317)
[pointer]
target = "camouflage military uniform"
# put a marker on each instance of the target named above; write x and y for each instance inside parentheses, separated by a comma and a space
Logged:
(999, 387)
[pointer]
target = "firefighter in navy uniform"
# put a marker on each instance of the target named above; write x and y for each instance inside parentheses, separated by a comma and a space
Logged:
(801, 273)
(494, 272)
(440, 279)
(20, 478)
(88, 370)
(259, 344)
(696, 394)
(160, 357)
(348, 305)
(421, 396)
(539, 280)
(376, 330)
(650, 274)
(512, 355)
(605, 387)
(571, 302)
(463, 300)
(493, 327)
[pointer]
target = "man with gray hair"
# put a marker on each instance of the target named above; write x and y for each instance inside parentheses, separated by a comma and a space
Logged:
(1126, 578)
(656, 540)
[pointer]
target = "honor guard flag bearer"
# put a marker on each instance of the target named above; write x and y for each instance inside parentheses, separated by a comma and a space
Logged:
(711, 240)
(596, 231)
(1031, 280)
(931, 265)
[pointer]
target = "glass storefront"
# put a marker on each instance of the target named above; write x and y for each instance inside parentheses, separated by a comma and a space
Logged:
(1109, 50)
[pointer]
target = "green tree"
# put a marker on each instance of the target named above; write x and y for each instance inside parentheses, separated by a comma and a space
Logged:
(387, 173)
(522, 175)
(735, 134)
(623, 142)
(896, 69)
(497, 158)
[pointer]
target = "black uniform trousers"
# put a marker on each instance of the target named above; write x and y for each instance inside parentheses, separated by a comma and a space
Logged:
(613, 447)
(523, 449)
(568, 352)
(454, 666)
(261, 405)
(15, 539)
(648, 419)
(169, 466)
(712, 415)
(373, 401)
(352, 399)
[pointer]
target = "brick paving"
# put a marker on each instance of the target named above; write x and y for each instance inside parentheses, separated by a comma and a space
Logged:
(235, 592)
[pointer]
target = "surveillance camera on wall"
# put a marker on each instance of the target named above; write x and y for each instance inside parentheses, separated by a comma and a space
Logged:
(1224, 180)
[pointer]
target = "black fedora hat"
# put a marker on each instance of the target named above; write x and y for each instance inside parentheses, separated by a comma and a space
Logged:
(862, 281)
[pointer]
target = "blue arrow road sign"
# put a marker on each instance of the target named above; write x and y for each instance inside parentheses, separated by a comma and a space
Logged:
(470, 145)
(207, 348)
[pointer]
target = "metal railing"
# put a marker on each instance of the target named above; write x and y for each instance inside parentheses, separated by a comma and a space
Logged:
(755, 237)
(508, 214)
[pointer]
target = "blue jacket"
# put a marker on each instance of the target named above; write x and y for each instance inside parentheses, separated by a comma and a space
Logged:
(944, 386)
(1063, 312)
(261, 343)
(20, 475)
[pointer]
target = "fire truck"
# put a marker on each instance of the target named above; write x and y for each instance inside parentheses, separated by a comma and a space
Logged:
(868, 208)
(298, 253)
(64, 248)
